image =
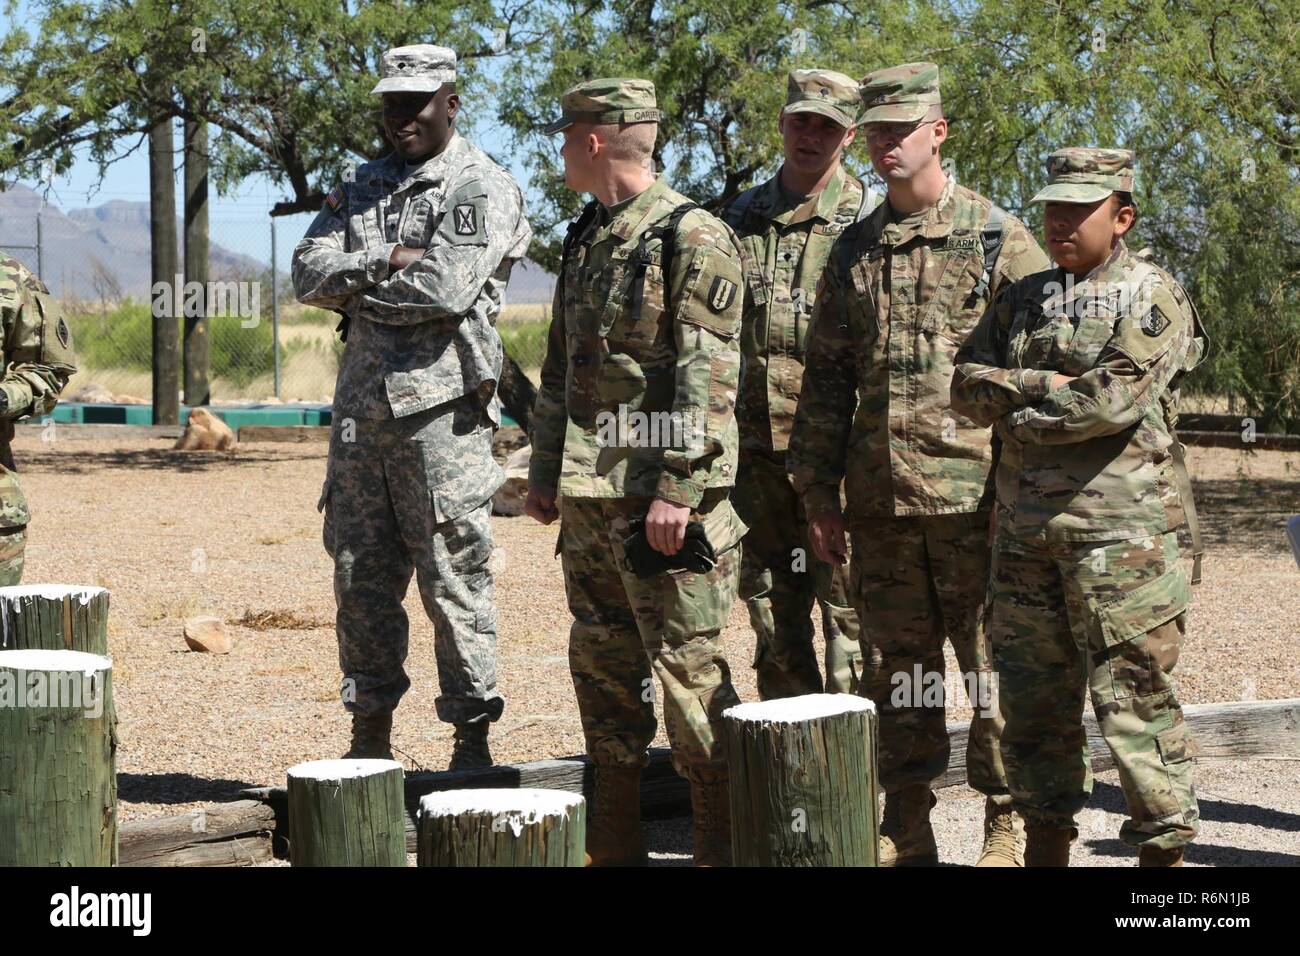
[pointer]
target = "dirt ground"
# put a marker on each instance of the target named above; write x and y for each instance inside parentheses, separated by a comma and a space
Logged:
(172, 534)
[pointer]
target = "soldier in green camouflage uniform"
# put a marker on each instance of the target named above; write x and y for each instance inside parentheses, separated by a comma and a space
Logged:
(646, 319)
(38, 361)
(1079, 372)
(415, 251)
(900, 294)
(786, 228)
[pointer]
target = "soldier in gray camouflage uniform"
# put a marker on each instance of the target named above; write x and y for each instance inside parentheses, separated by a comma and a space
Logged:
(787, 226)
(415, 252)
(38, 362)
(1078, 368)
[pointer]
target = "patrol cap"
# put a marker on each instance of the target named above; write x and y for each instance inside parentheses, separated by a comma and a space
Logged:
(824, 92)
(421, 68)
(900, 94)
(610, 100)
(1084, 175)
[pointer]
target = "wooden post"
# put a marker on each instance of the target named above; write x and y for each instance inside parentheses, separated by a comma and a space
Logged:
(58, 782)
(524, 827)
(54, 617)
(346, 813)
(162, 250)
(803, 781)
(197, 391)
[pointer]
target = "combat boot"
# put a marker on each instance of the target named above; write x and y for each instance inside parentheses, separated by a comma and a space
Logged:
(469, 749)
(1048, 846)
(614, 818)
(906, 838)
(711, 818)
(1154, 856)
(1004, 836)
(370, 737)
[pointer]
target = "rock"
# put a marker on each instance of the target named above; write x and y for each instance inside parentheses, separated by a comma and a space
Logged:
(92, 394)
(509, 498)
(208, 634)
(205, 432)
(506, 440)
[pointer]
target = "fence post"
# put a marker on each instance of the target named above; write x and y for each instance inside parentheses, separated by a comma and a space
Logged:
(275, 310)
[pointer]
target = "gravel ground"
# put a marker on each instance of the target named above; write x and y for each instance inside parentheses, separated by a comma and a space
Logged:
(172, 534)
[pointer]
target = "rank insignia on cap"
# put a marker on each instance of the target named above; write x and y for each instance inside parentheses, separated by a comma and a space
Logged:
(335, 198)
(61, 330)
(1154, 322)
(721, 293)
(466, 220)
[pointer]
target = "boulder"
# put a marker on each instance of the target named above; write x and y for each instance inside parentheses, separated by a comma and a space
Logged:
(208, 634)
(509, 498)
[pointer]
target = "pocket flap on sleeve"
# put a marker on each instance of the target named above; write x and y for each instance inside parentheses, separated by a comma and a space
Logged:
(1145, 608)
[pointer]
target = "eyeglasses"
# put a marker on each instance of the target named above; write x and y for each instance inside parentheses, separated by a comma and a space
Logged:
(891, 132)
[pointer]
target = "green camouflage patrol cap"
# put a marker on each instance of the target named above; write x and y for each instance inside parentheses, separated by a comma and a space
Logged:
(611, 100)
(421, 68)
(825, 92)
(1087, 175)
(900, 94)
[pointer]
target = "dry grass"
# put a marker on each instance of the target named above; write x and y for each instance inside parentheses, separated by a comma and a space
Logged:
(173, 534)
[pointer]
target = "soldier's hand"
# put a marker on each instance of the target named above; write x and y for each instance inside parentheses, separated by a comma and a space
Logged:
(403, 256)
(1060, 381)
(540, 505)
(826, 533)
(665, 525)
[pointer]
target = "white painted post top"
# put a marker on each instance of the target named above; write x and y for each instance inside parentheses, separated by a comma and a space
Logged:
(83, 592)
(341, 769)
(65, 661)
(525, 804)
(793, 710)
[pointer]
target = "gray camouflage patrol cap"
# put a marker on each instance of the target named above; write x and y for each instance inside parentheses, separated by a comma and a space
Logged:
(1082, 175)
(824, 92)
(610, 100)
(421, 68)
(900, 94)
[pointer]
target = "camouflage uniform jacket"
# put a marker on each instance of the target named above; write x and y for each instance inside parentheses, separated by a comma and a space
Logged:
(624, 339)
(784, 250)
(1090, 461)
(898, 298)
(38, 361)
(424, 334)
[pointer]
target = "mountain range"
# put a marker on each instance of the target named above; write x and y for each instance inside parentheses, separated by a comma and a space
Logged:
(103, 251)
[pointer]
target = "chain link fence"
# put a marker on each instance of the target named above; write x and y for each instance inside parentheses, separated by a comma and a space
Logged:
(263, 345)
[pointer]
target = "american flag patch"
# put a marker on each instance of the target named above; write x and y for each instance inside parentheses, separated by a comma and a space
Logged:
(335, 198)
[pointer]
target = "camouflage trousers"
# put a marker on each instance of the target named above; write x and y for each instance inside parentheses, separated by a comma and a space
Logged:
(627, 631)
(1110, 616)
(13, 544)
(780, 579)
(917, 580)
(382, 522)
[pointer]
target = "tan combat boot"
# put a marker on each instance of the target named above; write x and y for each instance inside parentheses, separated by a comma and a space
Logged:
(470, 747)
(1004, 836)
(711, 817)
(1048, 846)
(614, 819)
(370, 737)
(906, 838)
(1154, 856)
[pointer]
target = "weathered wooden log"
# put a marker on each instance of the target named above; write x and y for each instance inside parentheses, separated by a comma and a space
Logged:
(525, 827)
(54, 617)
(247, 850)
(58, 782)
(346, 813)
(1259, 729)
(168, 841)
(803, 781)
